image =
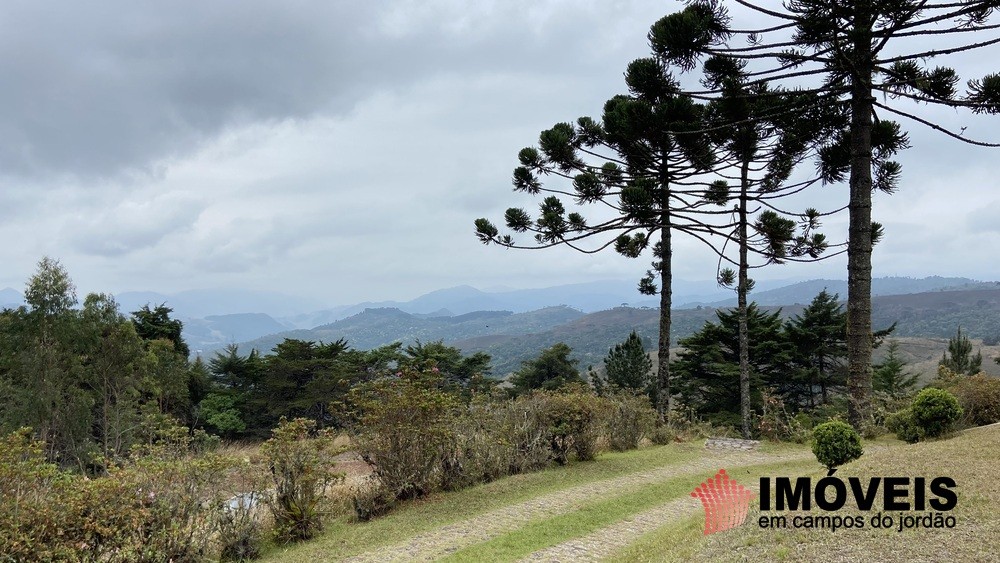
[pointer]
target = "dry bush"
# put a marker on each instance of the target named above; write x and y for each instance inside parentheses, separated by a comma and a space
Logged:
(300, 461)
(630, 419)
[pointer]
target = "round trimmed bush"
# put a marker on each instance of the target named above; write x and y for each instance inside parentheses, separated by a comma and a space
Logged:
(836, 443)
(904, 426)
(935, 410)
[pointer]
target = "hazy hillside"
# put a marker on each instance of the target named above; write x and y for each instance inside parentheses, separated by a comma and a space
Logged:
(803, 292)
(215, 331)
(514, 337)
(376, 327)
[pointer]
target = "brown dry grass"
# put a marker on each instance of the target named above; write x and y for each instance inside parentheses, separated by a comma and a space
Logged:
(970, 458)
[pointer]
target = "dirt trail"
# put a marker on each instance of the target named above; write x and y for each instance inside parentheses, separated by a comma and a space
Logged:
(448, 539)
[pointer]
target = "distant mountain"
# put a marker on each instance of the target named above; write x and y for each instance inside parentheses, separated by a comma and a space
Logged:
(376, 327)
(10, 298)
(200, 303)
(215, 331)
(803, 292)
(514, 337)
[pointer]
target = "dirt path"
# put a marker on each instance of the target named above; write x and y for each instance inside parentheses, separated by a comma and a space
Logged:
(448, 539)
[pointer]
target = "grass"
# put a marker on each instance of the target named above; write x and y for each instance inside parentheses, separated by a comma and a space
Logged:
(970, 458)
(343, 537)
(681, 539)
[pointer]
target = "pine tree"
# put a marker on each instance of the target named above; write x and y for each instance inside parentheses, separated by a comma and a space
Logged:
(890, 375)
(708, 368)
(857, 49)
(819, 336)
(628, 366)
(959, 357)
(553, 368)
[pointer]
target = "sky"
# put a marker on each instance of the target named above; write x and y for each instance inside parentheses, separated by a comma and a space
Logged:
(341, 150)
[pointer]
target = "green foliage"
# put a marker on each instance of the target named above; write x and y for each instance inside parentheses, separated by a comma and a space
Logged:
(219, 412)
(628, 366)
(934, 411)
(404, 425)
(707, 370)
(550, 370)
(575, 417)
(890, 376)
(160, 505)
(448, 360)
(959, 357)
(300, 460)
(631, 418)
(819, 338)
(979, 397)
(836, 443)
(156, 324)
(904, 426)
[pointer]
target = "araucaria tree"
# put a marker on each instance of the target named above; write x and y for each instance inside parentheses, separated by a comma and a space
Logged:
(849, 52)
(646, 167)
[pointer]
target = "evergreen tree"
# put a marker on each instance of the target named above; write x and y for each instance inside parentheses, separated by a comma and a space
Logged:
(646, 160)
(890, 375)
(959, 357)
(552, 369)
(708, 368)
(628, 366)
(858, 50)
(454, 368)
(819, 337)
(154, 324)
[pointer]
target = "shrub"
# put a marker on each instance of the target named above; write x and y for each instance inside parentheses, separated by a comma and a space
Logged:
(836, 443)
(405, 426)
(158, 506)
(300, 460)
(477, 454)
(526, 432)
(630, 419)
(979, 397)
(663, 434)
(241, 532)
(575, 417)
(775, 423)
(934, 411)
(903, 425)
(372, 499)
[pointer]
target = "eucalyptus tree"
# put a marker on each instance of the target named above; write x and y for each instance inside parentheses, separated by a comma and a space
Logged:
(846, 52)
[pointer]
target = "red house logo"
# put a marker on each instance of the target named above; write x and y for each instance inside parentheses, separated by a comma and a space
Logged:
(726, 502)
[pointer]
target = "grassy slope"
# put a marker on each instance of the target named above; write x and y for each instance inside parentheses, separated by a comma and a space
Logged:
(970, 458)
(978, 512)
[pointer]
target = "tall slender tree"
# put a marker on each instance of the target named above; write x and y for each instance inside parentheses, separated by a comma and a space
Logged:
(855, 49)
(644, 164)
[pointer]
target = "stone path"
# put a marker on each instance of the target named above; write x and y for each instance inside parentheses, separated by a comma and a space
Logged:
(448, 539)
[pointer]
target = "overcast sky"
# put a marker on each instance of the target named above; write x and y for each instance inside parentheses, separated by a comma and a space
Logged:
(342, 150)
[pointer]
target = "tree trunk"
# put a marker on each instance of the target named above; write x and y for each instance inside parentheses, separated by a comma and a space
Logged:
(663, 349)
(741, 297)
(859, 241)
(666, 283)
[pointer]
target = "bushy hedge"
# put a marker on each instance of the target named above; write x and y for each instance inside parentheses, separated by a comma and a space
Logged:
(162, 505)
(836, 443)
(935, 410)
(932, 413)
(979, 397)
(418, 437)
